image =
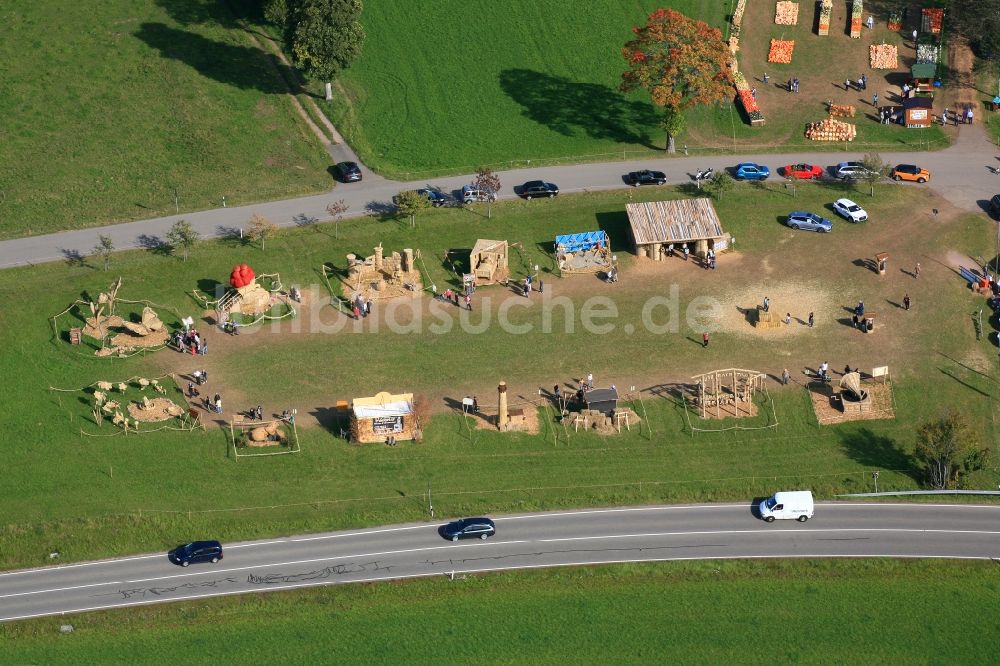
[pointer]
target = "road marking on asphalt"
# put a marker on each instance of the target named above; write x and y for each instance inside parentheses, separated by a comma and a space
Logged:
(375, 579)
(477, 544)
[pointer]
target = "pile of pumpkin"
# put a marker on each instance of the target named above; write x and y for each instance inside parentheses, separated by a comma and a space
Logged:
(857, 11)
(842, 110)
(830, 129)
(883, 56)
(745, 94)
(786, 13)
(781, 51)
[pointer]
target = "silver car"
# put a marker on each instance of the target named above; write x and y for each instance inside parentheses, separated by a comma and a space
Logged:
(809, 221)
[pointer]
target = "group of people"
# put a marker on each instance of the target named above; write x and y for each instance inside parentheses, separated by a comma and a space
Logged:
(793, 85)
(255, 413)
(526, 286)
(888, 115)
(191, 340)
(214, 404)
(451, 295)
(958, 116)
(231, 327)
(361, 307)
(685, 250)
(862, 83)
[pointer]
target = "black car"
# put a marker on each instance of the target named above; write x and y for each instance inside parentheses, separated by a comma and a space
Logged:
(995, 205)
(436, 198)
(538, 188)
(647, 177)
(349, 172)
(469, 528)
(196, 551)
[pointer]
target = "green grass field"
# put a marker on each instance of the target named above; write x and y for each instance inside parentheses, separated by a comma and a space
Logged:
(536, 83)
(89, 496)
(849, 611)
(111, 109)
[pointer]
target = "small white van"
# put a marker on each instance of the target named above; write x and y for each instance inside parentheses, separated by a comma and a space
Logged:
(797, 504)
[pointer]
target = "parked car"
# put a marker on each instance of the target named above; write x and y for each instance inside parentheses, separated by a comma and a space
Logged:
(809, 221)
(751, 171)
(469, 528)
(802, 171)
(850, 210)
(910, 172)
(646, 177)
(538, 188)
(196, 551)
(471, 194)
(850, 170)
(436, 198)
(349, 172)
(995, 205)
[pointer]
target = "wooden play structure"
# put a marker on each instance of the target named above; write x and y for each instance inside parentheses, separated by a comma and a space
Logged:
(382, 416)
(248, 296)
(855, 399)
(587, 252)
(655, 225)
(488, 262)
(377, 278)
(728, 393)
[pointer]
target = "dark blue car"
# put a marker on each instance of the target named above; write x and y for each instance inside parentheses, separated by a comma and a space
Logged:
(469, 528)
(751, 171)
(436, 198)
(196, 551)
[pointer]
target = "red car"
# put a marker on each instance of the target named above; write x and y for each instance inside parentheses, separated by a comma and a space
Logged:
(802, 171)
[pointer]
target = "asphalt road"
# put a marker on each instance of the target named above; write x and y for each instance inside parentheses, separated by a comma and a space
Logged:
(960, 173)
(599, 536)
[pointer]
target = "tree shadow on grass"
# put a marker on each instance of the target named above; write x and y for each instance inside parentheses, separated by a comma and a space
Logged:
(572, 107)
(615, 225)
(240, 66)
(873, 450)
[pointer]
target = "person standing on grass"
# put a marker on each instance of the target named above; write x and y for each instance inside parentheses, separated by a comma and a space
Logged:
(788, 318)
(704, 339)
(870, 22)
(218, 403)
(785, 376)
(906, 302)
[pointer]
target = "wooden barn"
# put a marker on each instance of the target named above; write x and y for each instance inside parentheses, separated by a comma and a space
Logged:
(655, 225)
(377, 418)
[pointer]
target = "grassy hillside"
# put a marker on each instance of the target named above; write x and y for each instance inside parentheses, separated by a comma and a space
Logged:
(113, 109)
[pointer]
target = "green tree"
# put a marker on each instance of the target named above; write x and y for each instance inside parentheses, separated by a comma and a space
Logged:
(410, 202)
(325, 37)
(946, 448)
(105, 246)
(183, 235)
(875, 170)
(720, 183)
(681, 62)
(979, 22)
(261, 229)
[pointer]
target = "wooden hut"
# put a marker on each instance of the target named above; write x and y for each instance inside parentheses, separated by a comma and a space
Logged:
(488, 262)
(918, 112)
(922, 78)
(381, 416)
(657, 224)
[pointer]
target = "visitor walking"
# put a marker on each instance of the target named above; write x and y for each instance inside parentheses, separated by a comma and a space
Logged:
(686, 251)
(785, 376)
(875, 99)
(916, 270)
(870, 22)
(218, 403)
(788, 318)
(765, 78)
(767, 304)
(906, 302)
(861, 82)
(704, 339)
(847, 84)
(468, 302)
(812, 320)
(824, 367)
(356, 311)
(914, 39)
(259, 413)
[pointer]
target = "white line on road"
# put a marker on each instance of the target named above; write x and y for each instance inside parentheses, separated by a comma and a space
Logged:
(292, 586)
(783, 532)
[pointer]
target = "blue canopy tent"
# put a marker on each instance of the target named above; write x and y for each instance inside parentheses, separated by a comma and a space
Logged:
(587, 252)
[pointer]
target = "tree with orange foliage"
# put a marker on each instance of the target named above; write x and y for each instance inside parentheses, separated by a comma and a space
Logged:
(683, 63)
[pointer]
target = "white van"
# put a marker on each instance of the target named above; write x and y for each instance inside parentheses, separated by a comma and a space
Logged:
(797, 504)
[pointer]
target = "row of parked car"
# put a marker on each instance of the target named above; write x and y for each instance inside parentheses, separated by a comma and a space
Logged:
(842, 171)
